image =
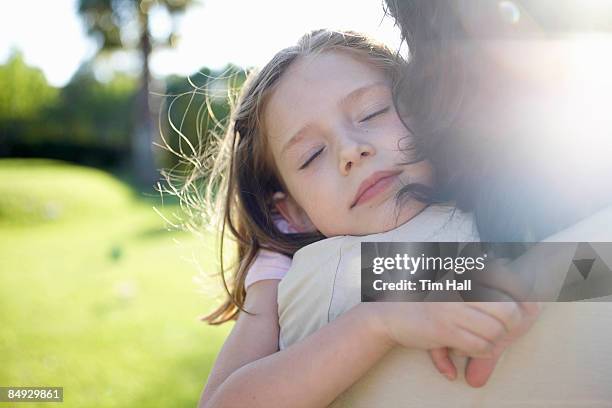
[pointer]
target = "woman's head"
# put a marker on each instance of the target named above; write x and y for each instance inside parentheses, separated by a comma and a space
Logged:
(485, 112)
(311, 131)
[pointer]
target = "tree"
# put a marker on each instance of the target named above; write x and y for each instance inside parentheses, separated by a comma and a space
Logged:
(110, 21)
(25, 91)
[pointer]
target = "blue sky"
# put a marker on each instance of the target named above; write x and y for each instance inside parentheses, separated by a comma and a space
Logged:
(52, 37)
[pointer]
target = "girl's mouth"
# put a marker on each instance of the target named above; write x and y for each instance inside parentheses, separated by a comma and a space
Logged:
(374, 185)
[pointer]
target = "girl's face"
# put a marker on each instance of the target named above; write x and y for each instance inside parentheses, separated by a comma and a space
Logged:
(335, 138)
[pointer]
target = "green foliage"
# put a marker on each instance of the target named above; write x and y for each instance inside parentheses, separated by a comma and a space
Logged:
(105, 19)
(198, 106)
(25, 91)
(87, 121)
(95, 113)
(90, 121)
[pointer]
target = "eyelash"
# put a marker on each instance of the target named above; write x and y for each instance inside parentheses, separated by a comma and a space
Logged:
(314, 156)
(371, 116)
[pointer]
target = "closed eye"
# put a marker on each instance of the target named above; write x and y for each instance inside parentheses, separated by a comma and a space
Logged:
(373, 115)
(314, 156)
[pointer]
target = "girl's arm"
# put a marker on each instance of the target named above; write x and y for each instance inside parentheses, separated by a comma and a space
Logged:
(253, 336)
(250, 371)
(314, 371)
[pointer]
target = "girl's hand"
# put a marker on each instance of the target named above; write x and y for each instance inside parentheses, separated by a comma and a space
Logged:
(444, 364)
(474, 328)
(478, 370)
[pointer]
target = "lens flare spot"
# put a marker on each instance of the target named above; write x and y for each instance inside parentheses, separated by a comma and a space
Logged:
(509, 11)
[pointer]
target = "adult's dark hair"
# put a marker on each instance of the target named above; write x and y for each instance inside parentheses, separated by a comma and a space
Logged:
(467, 113)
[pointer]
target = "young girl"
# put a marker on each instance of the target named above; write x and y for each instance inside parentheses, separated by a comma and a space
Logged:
(316, 140)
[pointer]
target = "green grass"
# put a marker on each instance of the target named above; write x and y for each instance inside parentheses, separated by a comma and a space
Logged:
(96, 295)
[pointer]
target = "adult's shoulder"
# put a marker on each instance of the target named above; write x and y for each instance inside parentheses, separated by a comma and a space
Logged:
(595, 228)
(436, 223)
(305, 292)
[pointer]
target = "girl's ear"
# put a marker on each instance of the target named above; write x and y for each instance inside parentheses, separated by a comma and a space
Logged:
(293, 213)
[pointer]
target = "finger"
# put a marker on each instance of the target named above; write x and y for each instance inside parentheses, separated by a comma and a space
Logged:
(480, 293)
(502, 279)
(531, 309)
(530, 313)
(443, 362)
(506, 313)
(472, 344)
(479, 370)
(481, 324)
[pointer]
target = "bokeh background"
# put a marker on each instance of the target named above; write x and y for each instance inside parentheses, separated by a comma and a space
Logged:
(100, 287)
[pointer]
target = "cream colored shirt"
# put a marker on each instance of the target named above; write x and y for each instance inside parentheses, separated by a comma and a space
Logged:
(563, 361)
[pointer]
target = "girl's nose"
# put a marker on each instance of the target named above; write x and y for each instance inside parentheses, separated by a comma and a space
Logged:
(352, 153)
